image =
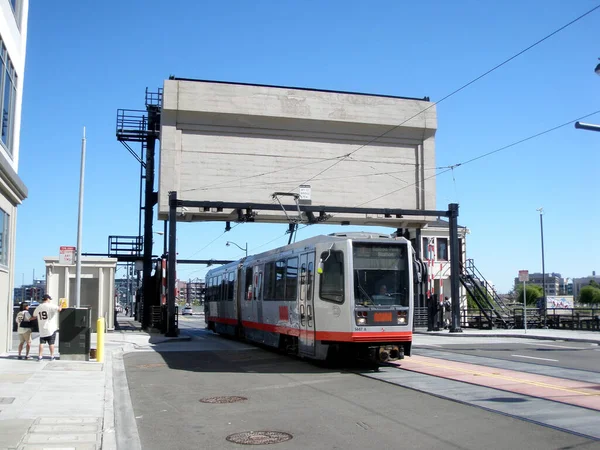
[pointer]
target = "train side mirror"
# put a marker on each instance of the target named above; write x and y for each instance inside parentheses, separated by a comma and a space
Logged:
(320, 267)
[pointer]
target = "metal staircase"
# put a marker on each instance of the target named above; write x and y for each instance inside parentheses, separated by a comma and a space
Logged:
(143, 127)
(491, 305)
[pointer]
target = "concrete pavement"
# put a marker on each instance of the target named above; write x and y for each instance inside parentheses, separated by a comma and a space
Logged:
(87, 405)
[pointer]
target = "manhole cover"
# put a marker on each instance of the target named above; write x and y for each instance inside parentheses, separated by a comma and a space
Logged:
(259, 437)
(226, 399)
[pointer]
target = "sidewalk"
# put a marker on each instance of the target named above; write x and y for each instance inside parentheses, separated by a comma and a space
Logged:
(71, 404)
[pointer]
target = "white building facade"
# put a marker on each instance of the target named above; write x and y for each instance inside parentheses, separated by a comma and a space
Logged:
(13, 39)
(435, 251)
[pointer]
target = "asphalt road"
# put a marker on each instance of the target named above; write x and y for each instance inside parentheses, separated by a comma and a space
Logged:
(565, 355)
(318, 407)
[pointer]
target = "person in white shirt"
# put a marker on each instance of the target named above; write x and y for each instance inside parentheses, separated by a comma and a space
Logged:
(24, 318)
(47, 317)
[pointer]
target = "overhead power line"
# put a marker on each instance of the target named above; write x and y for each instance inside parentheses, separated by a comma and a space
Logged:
(456, 91)
(476, 158)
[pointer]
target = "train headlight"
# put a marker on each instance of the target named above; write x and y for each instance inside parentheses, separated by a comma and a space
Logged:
(361, 321)
(402, 317)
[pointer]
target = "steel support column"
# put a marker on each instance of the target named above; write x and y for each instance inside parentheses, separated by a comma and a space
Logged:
(454, 268)
(149, 201)
(421, 287)
(172, 330)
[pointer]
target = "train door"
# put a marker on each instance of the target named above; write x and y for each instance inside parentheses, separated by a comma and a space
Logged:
(306, 342)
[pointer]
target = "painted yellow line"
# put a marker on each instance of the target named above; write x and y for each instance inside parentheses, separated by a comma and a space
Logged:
(507, 378)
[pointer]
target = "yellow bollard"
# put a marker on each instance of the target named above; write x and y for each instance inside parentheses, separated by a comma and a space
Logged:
(100, 340)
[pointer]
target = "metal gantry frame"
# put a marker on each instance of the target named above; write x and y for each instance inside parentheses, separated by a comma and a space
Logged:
(247, 209)
(144, 127)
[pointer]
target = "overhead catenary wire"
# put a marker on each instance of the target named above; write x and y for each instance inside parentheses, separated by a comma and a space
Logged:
(456, 91)
(444, 169)
(476, 158)
(348, 155)
(213, 241)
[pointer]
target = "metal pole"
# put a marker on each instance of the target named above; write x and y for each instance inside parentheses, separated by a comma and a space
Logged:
(79, 226)
(172, 330)
(165, 238)
(149, 200)
(525, 305)
(543, 263)
(454, 268)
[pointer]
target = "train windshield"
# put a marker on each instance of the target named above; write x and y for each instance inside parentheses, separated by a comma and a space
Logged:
(381, 275)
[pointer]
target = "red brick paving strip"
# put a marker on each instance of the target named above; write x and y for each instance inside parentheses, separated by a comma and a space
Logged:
(578, 393)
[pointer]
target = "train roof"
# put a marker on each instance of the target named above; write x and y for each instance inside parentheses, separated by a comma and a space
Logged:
(323, 238)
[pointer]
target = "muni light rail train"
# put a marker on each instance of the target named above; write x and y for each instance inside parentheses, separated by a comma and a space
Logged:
(329, 297)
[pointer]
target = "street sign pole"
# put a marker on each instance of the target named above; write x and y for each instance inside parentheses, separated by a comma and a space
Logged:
(524, 277)
(525, 305)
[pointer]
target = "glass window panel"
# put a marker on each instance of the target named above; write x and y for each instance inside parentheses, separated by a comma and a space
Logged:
(442, 249)
(280, 280)
(3, 238)
(332, 278)
(6, 108)
(291, 279)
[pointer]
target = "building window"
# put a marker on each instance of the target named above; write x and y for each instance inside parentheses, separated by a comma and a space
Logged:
(16, 7)
(8, 91)
(4, 218)
(442, 249)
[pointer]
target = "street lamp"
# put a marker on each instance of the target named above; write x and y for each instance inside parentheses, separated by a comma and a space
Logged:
(541, 211)
(589, 126)
(228, 243)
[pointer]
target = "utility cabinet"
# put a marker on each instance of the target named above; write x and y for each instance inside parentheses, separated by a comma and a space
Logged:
(74, 337)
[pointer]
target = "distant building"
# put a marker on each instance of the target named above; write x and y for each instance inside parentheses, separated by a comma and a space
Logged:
(191, 291)
(13, 39)
(565, 287)
(553, 282)
(578, 283)
(435, 251)
(124, 290)
(30, 292)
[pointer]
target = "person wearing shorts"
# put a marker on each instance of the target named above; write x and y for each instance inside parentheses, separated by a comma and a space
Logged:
(47, 317)
(24, 318)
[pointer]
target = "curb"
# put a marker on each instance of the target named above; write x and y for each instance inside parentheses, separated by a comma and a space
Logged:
(516, 336)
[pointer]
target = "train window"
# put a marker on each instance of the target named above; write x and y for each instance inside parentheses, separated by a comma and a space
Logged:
(219, 288)
(291, 279)
(269, 293)
(230, 286)
(381, 275)
(309, 279)
(213, 294)
(280, 280)
(332, 277)
(248, 285)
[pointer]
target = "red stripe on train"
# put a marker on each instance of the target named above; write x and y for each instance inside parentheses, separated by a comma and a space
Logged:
(224, 320)
(339, 336)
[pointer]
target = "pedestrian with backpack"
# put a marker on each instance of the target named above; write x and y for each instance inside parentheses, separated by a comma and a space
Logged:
(24, 323)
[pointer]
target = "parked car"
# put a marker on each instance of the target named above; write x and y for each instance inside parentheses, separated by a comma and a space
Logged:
(187, 310)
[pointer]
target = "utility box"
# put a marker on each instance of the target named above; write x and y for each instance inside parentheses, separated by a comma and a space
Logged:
(74, 337)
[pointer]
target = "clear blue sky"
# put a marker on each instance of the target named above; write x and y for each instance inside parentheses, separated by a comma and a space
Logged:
(87, 59)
